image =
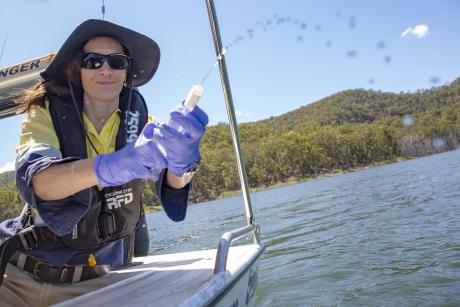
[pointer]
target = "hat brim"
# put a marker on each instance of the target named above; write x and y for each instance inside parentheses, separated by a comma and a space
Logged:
(143, 50)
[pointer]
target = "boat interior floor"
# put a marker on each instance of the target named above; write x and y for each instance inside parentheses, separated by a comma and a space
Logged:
(163, 280)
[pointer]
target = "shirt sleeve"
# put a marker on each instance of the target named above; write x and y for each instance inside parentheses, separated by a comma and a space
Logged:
(174, 201)
(39, 149)
(37, 128)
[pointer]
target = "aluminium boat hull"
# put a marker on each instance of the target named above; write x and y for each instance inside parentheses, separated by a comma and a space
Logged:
(181, 279)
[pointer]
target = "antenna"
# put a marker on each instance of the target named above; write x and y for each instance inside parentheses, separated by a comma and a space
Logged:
(103, 9)
(3, 48)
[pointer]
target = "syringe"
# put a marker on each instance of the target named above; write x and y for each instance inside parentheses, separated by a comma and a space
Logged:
(193, 96)
(190, 102)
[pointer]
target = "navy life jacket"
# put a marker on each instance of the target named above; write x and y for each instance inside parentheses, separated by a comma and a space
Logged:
(114, 212)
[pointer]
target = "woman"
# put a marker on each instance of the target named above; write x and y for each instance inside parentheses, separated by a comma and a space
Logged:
(85, 144)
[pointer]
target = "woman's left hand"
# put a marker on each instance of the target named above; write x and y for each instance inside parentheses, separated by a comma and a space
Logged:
(181, 138)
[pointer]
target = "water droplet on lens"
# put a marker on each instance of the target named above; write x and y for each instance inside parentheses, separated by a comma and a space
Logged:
(407, 120)
(351, 53)
(439, 143)
(435, 80)
(381, 45)
(352, 22)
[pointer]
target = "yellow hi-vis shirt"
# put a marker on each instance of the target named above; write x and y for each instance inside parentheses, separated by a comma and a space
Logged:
(38, 128)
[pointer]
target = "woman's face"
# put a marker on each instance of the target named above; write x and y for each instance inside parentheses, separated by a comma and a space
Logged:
(104, 83)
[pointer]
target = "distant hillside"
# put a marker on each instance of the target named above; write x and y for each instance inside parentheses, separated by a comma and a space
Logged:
(348, 129)
(366, 106)
(6, 178)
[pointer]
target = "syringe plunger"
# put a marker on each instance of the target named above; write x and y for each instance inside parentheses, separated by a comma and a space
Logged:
(193, 96)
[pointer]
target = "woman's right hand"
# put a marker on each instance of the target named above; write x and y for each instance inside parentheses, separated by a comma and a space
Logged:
(144, 159)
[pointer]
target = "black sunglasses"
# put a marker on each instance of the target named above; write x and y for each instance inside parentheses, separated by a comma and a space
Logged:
(96, 60)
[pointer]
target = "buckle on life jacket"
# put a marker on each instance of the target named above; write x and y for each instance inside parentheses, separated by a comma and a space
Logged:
(36, 270)
(107, 224)
(62, 272)
(28, 238)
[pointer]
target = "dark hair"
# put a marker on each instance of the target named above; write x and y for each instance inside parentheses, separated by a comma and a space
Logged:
(36, 94)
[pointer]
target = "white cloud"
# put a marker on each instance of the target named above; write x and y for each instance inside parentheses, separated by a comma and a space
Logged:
(241, 113)
(418, 31)
(7, 167)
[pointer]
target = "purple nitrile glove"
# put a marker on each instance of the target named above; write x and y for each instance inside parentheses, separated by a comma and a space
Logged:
(143, 158)
(181, 138)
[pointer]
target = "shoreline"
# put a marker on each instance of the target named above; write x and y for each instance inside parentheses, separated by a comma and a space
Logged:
(293, 180)
(332, 173)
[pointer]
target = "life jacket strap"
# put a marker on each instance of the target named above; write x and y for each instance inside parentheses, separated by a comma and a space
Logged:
(25, 240)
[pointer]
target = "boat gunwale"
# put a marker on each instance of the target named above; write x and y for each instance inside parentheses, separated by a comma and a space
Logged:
(228, 285)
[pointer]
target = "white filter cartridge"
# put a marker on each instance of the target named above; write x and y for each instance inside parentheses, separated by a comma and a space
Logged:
(193, 96)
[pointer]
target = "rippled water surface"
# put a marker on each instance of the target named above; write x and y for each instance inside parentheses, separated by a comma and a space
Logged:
(384, 236)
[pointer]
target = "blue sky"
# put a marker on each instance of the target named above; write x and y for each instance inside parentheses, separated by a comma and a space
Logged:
(291, 52)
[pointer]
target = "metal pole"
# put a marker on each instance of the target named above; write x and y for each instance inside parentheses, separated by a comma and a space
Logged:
(230, 108)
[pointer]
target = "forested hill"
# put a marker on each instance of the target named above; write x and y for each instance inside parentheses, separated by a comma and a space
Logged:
(348, 129)
(6, 178)
(359, 106)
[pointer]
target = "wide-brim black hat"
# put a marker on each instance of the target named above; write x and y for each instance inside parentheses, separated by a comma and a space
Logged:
(142, 49)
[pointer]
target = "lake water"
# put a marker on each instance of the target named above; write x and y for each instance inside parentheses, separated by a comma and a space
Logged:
(383, 236)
